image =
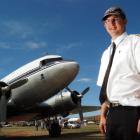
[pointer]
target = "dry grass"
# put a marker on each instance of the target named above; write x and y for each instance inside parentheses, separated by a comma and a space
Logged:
(89, 132)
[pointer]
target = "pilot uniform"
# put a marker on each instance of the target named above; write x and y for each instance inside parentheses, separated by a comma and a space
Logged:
(123, 87)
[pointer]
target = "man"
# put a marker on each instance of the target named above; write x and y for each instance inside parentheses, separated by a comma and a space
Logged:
(120, 99)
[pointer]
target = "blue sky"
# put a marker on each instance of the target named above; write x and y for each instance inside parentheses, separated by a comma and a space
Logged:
(70, 28)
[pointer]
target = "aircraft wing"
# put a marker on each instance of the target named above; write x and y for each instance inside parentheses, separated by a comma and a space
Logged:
(63, 103)
(45, 111)
(85, 109)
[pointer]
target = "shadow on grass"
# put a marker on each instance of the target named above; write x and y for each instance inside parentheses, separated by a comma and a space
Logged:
(66, 136)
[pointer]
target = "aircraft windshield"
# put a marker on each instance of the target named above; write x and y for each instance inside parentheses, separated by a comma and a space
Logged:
(48, 61)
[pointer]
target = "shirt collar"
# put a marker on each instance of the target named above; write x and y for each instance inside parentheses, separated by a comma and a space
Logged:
(118, 40)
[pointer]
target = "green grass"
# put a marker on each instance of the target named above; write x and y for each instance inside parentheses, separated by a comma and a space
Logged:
(89, 132)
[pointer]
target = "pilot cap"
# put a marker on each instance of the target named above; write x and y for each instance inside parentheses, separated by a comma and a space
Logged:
(114, 11)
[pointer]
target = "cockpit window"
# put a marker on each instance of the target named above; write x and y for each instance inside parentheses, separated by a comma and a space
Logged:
(47, 61)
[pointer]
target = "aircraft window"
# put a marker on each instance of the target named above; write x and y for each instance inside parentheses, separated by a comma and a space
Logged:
(47, 61)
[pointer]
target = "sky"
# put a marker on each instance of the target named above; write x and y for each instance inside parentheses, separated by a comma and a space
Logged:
(70, 28)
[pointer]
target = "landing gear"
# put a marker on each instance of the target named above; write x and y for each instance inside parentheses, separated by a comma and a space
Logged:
(54, 129)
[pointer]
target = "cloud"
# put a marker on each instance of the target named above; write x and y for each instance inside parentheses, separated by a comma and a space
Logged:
(4, 45)
(20, 29)
(16, 28)
(67, 47)
(26, 44)
(19, 35)
(35, 45)
(85, 80)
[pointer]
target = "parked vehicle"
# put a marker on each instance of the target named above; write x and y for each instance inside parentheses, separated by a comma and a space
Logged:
(73, 125)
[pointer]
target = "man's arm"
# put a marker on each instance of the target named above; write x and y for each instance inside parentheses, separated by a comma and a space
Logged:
(138, 127)
(104, 110)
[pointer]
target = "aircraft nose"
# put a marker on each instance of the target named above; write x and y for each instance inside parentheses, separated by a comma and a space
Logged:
(69, 71)
(73, 68)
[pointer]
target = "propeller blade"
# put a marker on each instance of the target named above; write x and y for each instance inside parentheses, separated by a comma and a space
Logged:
(68, 89)
(85, 91)
(4, 99)
(81, 113)
(79, 104)
(79, 96)
(3, 108)
(18, 83)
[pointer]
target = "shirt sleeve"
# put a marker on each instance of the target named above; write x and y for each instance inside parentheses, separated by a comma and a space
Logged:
(137, 54)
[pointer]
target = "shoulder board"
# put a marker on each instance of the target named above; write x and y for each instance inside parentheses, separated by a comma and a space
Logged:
(137, 35)
(134, 35)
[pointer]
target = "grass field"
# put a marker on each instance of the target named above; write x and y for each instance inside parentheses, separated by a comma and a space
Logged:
(90, 132)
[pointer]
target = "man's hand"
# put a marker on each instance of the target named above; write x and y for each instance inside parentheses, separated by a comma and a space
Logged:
(138, 127)
(102, 124)
(104, 110)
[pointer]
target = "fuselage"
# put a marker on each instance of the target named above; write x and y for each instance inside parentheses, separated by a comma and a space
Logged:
(46, 77)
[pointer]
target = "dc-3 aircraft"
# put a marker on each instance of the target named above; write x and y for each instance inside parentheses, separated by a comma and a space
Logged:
(34, 91)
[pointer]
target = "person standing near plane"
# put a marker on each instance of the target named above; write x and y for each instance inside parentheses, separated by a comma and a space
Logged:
(119, 78)
(36, 125)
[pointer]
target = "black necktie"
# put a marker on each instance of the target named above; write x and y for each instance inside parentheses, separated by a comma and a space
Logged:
(103, 95)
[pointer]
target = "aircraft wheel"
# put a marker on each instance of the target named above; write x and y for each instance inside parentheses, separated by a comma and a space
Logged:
(54, 130)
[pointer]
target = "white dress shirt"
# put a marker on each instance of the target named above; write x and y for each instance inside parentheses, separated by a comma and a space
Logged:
(124, 79)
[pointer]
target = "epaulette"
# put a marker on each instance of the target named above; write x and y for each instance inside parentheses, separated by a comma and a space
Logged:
(137, 35)
(134, 35)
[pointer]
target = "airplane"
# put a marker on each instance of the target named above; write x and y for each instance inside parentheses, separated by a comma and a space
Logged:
(35, 91)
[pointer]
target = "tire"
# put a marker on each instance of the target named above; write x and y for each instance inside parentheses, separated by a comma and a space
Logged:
(54, 130)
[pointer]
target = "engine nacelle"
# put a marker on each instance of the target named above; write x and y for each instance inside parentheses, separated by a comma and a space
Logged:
(62, 102)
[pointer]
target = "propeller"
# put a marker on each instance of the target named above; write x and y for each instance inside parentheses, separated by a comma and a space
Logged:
(85, 91)
(79, 94)
(79, 97)
(3, 107)
(79, 103)
(5, 93)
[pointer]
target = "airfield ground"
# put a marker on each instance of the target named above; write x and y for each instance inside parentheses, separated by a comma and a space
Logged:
(89, 132)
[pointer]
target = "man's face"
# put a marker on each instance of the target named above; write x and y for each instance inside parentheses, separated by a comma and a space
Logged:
(115, 25)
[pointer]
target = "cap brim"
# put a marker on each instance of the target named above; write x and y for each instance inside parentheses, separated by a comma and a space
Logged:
(104, 18)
